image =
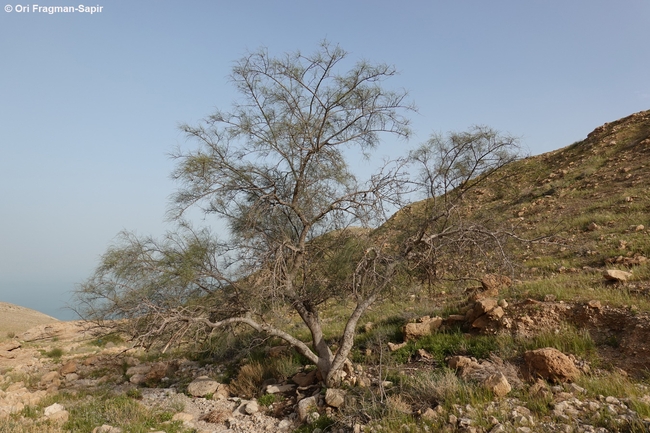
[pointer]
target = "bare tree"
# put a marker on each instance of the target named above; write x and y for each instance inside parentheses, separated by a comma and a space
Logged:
(449, 239)
(273, 169)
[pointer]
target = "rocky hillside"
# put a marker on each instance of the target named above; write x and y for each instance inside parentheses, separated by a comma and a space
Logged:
(15, 319)
(560, 342)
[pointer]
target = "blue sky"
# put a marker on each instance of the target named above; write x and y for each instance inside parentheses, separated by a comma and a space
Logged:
(90, 104)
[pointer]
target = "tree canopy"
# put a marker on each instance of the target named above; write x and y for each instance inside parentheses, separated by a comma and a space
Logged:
(273, 167)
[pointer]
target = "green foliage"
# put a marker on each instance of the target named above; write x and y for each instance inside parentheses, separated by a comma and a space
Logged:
(267, 399)
(444, 344)
(119, 411)
(55, 353)
(566, 340)
(105, 339)
(135, 393)
(324, 423)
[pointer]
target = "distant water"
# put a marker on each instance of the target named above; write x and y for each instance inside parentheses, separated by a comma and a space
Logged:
(48, 298)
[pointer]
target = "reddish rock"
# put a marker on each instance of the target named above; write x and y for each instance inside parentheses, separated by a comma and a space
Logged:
(551, 364)
(68, 367)
(495, 282)
(305, 379)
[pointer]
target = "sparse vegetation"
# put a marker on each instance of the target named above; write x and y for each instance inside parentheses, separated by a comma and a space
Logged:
(55, 353)
(587, 215)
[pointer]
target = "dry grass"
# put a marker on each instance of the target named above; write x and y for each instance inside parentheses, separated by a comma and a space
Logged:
(15, 320)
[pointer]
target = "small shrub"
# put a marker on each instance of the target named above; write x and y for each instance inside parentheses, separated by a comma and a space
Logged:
(105, 339)
(248, 381)
(55, 353)
(323, 423)
(267, 400)
(134, 393)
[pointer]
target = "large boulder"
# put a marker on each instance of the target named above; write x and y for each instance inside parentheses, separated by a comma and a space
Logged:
(551, 364)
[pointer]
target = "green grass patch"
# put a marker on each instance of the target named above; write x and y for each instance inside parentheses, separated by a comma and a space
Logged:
(444, 344)
(55, 353)
(118, 411)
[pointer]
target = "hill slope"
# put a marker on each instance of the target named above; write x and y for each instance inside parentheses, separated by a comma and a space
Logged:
(15, 319)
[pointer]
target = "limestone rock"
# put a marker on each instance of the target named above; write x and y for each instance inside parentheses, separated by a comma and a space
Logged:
(50, 378)
(616, 275)
(335, 397)
(9, 346)
(142, 369)
(393, 347)
(202, 386)
(68, 367)
(276, 389)
(551, 364)
(498, 384)
(426, 326)
(251, 407)
(52, 409)
(306, 407)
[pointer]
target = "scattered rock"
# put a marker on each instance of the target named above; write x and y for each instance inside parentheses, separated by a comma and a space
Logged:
(425, 326)
(498, 384)
(52, 409)
(277, 389)
(202, 386)
(306, 407)
(551, 364)
(305, 379)
(68, 367)
(335, 397)
(393, 347)
(251, 407)
(617, 275)
(495, 282)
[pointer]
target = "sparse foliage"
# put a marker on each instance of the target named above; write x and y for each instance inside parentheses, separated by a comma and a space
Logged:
(448, 241)
(299, 219)
(273, 168)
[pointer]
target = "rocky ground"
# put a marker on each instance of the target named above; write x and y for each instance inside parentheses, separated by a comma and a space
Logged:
(32, 372)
